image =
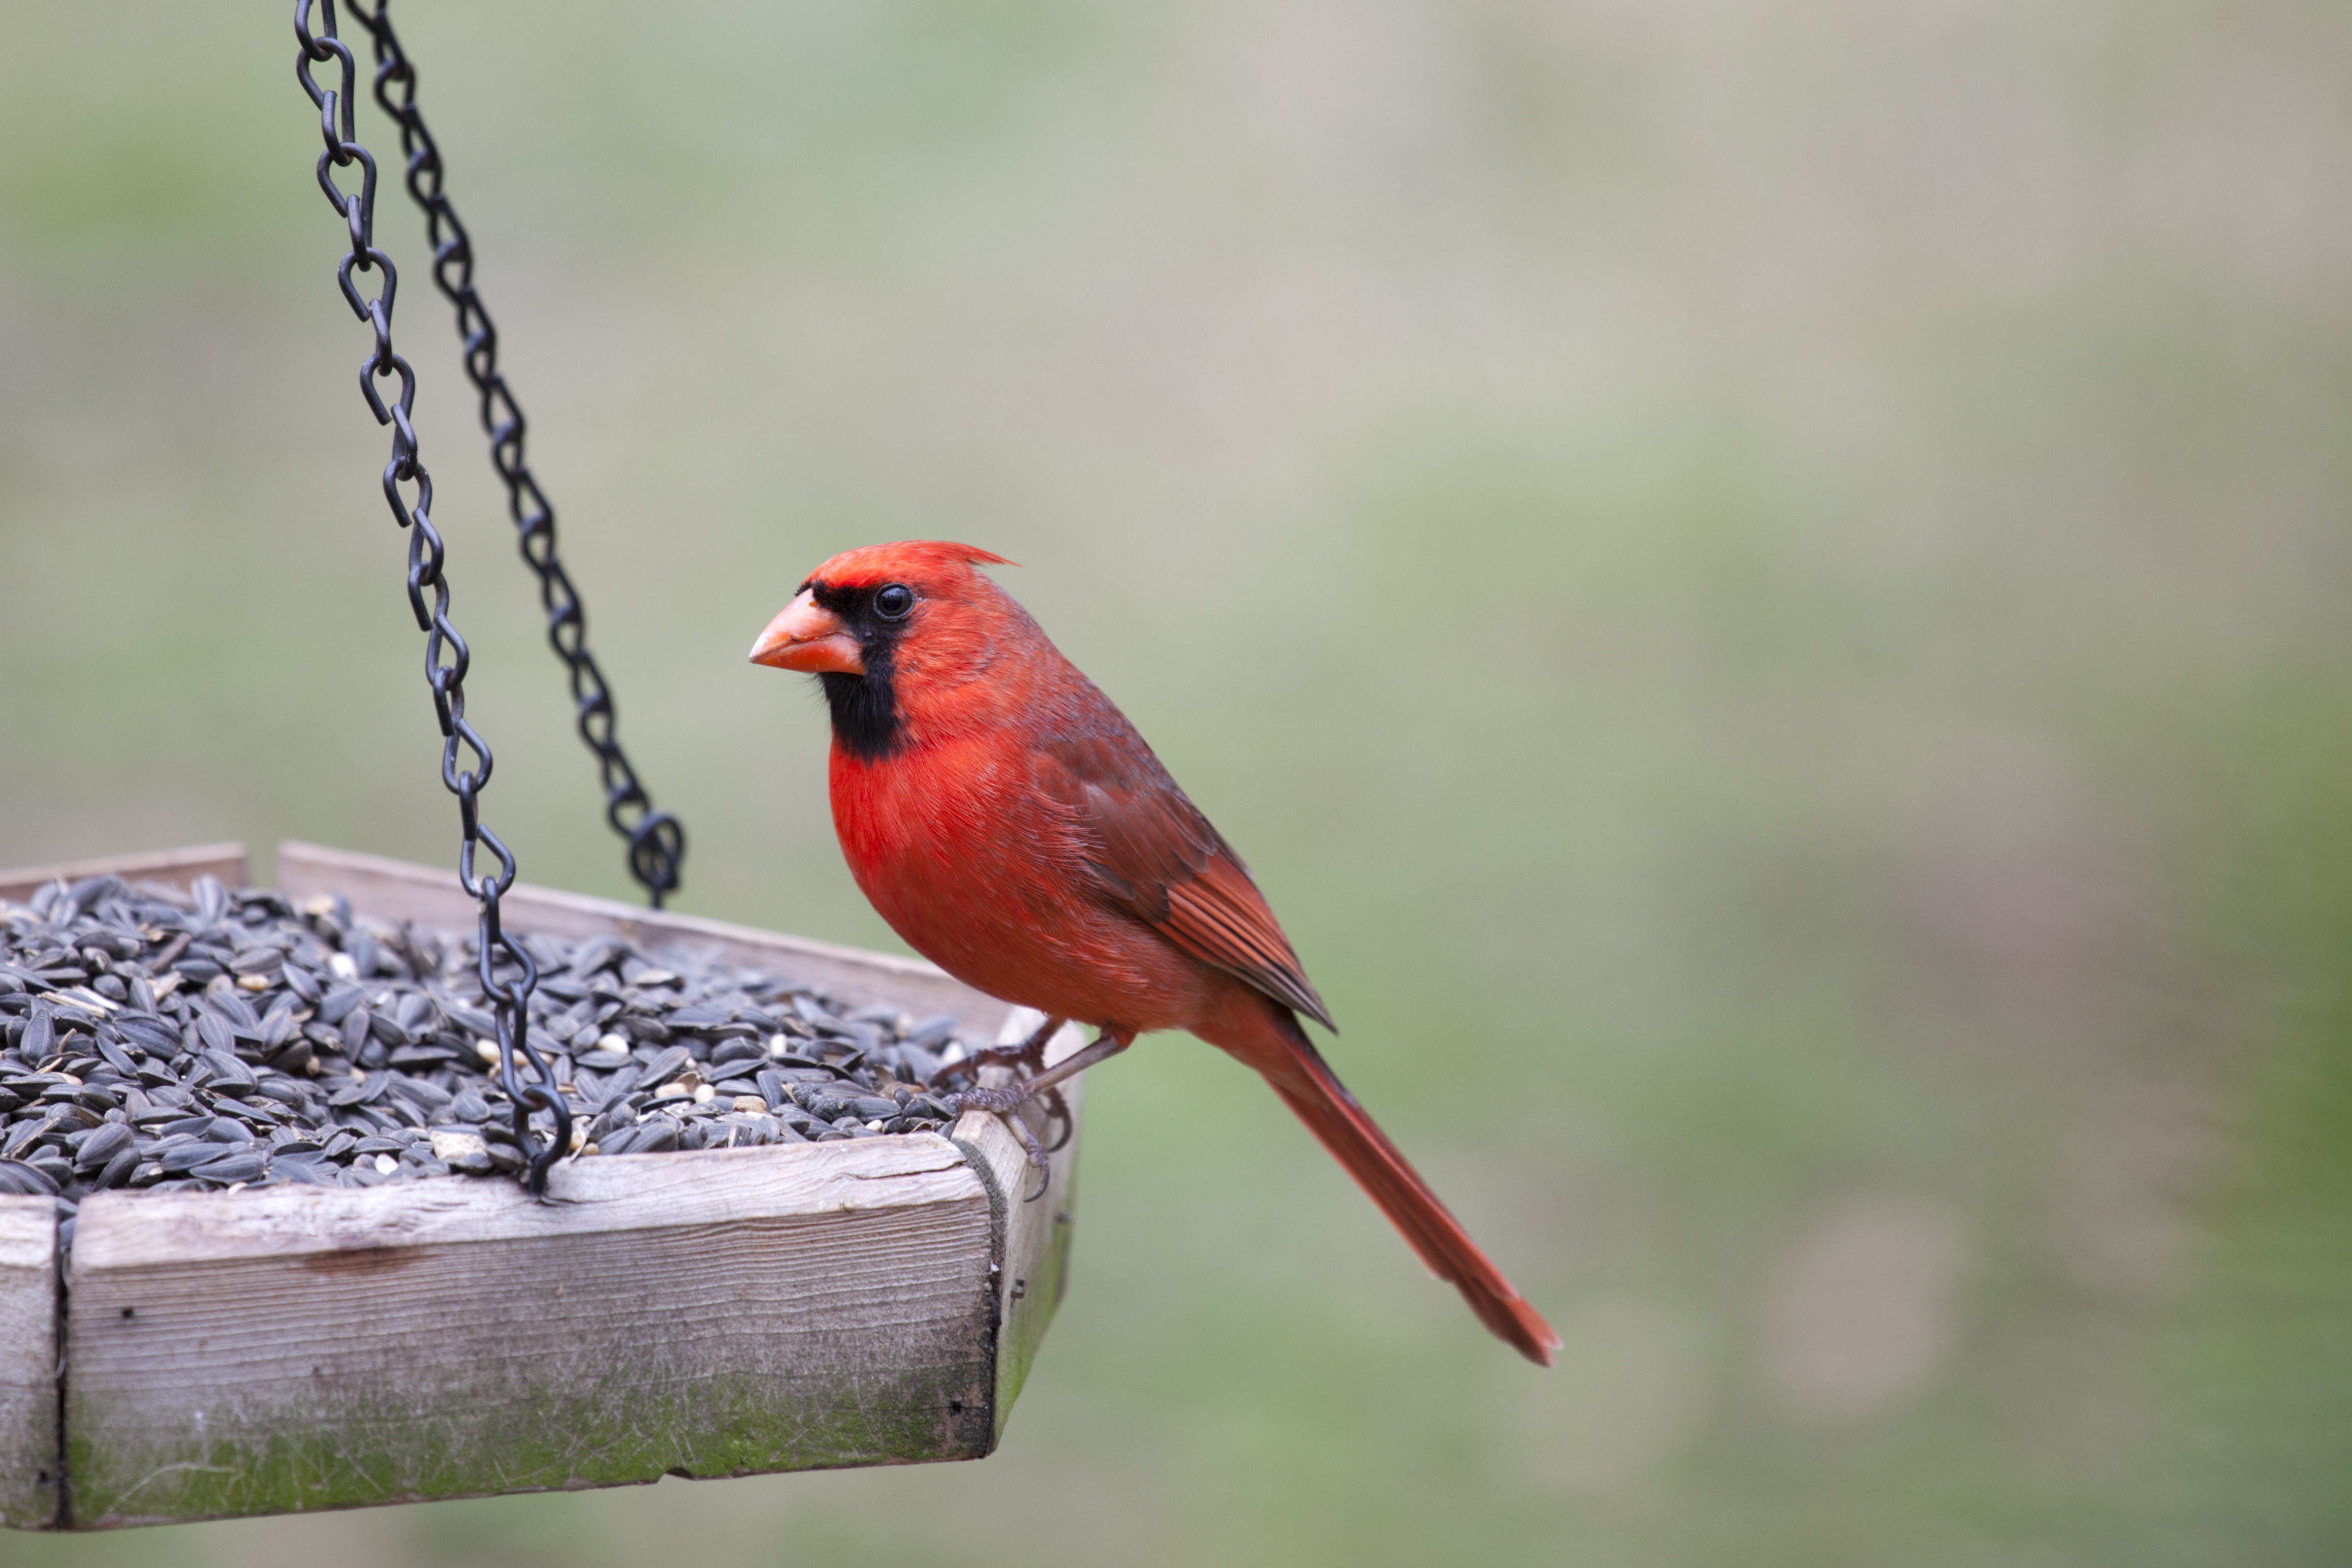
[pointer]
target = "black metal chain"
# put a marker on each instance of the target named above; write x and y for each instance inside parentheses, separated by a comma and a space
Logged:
(446, 655)
(657, 841)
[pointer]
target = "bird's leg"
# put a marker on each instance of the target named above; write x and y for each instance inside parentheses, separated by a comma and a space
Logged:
(1013, 1097)
(1030, 1053)
(1104, 1046)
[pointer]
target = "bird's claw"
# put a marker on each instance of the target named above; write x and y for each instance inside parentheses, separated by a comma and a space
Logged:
(1058, 1109)
(1006, 1104)
(1030, 1056)
(1037, 1157)
(951, 1070)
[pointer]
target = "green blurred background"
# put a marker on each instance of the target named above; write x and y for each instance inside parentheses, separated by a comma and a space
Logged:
(1763, 586)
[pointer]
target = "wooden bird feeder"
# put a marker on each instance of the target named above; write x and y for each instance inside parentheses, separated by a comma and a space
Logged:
(721, 1312)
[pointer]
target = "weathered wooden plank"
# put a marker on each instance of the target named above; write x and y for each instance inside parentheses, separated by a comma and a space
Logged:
(399, 889)
(1033, 1232)
(177, 868)
(709, 1313)
(28, 1362)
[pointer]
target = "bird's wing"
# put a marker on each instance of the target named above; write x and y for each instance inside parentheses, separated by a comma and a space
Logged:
(1156, 858)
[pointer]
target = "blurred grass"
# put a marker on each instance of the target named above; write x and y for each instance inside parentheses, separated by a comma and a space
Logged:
(1762, 588)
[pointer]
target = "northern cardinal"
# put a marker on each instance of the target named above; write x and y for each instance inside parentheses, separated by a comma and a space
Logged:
(1009, 821)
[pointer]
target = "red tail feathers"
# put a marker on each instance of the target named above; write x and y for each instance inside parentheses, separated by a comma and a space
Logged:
(1315, 1093)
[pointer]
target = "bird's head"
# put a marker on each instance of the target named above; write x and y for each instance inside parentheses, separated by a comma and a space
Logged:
(869, 617)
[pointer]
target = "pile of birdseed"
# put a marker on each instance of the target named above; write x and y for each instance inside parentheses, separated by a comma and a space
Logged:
(216, 1039)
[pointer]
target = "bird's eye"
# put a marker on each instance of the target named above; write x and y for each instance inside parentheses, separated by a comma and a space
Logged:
(894, 601)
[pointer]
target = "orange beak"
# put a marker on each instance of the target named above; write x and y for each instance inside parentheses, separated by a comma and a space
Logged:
(808, 637)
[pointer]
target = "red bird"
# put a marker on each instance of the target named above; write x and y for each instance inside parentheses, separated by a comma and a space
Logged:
(1009, 821)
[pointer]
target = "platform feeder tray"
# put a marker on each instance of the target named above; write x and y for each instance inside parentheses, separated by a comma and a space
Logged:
(717, 1312)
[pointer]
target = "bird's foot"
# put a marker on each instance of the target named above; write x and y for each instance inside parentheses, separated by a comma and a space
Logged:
(1011, 1097)
(1006, 1103)
(1029, 1055)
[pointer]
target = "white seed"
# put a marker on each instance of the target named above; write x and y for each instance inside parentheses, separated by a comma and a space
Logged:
(780, 1046)
(612, 1043)
(340, 966)
(487, 1050)
(318, 904)
(673, 1090)
(751, 1103)
(449, 1146)
(385, 1164)
(253, 982)
(703, 1093)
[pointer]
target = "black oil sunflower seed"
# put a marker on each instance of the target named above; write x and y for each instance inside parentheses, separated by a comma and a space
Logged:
(150, 1035)
(226, 1074)
(21, 1180)
(117, 1170)
(102, 1145)
(242, 1166)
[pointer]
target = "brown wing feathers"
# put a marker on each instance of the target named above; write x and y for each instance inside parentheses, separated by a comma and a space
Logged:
(1160, 859)
(1220, 918)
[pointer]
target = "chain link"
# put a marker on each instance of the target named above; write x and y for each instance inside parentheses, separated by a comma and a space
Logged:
(446, 655)
(657, 841)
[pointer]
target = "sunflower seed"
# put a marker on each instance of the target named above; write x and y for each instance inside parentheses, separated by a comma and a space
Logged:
(226, 1074)
(244, 1166)
(117, 1170)
(150, 1035)
(234, 1011)
(102, 1145)
(178, 1156)
(23, 1181)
